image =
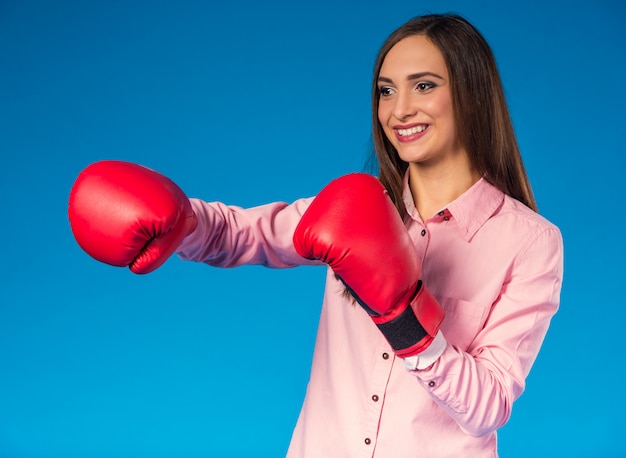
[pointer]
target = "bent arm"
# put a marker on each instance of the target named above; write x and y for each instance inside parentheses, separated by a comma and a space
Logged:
(478, 387)
(230, 236)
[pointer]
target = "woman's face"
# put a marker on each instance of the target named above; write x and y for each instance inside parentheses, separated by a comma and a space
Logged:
(415, 103)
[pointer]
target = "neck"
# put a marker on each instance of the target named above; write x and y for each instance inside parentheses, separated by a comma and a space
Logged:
(433, 189)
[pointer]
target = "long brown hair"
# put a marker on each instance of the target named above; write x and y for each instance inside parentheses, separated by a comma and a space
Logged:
(481, 113)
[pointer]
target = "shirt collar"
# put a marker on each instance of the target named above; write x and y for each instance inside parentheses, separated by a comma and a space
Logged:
(470, 210)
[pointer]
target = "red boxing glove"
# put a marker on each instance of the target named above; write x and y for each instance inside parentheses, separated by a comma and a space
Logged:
(353, 226)
(124, 214)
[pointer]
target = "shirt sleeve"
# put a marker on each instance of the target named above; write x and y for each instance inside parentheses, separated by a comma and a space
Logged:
(230, 236)
(477, 388)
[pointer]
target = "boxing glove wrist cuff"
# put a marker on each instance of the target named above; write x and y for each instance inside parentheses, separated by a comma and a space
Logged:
(412, 331)
(403, 331)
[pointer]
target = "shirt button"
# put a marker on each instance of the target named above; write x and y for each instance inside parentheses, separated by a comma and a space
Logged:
(423, 232)
(441, 213)
(446, 218)
(368, 441)
(385, 355)
(432, 383)
(375, 398)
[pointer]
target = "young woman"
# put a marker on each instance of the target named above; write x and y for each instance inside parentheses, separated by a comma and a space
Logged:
(452, 279)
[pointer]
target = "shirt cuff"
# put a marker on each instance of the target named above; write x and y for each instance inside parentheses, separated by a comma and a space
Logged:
(429, 356)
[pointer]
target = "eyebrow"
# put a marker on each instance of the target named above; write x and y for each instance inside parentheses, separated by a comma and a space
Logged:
(414, 76)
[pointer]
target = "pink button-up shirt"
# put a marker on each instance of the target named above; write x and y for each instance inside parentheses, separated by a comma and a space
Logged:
(493, 264)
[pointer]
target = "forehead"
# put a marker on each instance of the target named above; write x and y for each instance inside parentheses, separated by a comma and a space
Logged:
(413, 54)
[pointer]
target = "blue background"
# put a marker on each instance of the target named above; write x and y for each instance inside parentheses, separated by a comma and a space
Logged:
(250, 102)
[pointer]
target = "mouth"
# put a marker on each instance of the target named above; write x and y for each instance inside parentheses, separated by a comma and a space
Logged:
(410, 133)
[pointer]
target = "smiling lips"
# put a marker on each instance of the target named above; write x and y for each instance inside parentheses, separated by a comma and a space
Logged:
(410, 133)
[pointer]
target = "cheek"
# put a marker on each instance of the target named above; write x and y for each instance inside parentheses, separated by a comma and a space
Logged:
(443, 112)
(437, 107)
(445, 108)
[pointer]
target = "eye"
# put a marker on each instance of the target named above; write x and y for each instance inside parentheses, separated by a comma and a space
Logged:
(385, 91)
(424, 86)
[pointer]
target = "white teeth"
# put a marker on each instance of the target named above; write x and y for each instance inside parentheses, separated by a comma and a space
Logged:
(412, 130)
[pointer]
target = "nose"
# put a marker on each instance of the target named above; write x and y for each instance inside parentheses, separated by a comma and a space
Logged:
(404, 106)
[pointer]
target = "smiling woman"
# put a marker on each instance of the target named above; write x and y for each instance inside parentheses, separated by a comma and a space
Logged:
(251, 102)
(417, 115)
(456, 276)
(444, 69)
